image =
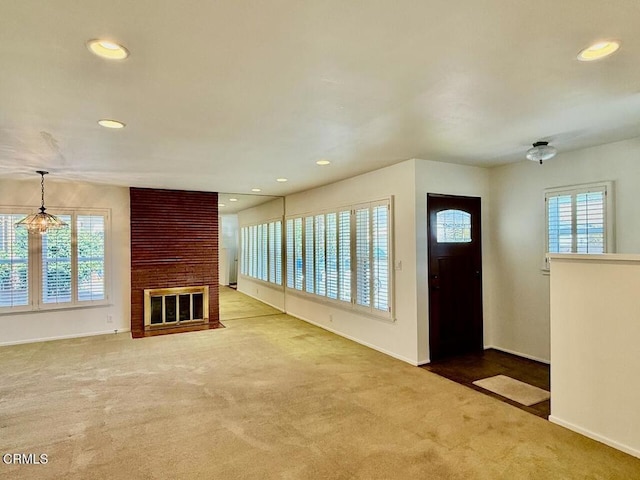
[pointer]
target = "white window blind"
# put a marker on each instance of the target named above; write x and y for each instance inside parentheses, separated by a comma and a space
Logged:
(272, 252)
(91, 257)
(261, 251)
(64, 267)
(264, 258)
(590, 222)
(363, 257)
(332, 255)
(14, 262)
(577, 219)
(56, 264)
(297, 224)
(321, 285)
(380, 237)
(289, 256)
(344, 255)
(243, 250)
(278, 252)
(308, 254)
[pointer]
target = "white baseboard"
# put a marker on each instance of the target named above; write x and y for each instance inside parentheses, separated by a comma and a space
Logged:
(262, 300)
(519, 354)
(357, 340)
(588, 433)
(63, 337)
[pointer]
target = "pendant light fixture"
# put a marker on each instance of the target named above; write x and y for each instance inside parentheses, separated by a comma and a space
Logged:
(541, 151)
(41, 221)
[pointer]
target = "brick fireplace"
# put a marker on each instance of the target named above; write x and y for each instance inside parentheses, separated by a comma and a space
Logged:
(174, 244)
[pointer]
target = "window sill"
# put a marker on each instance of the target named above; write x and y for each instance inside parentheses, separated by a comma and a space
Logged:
(342, 305)
(51, 308)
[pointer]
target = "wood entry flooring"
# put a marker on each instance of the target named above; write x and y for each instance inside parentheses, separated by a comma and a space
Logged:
(469, 368)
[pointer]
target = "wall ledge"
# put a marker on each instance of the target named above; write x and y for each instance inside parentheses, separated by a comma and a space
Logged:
(605, 257)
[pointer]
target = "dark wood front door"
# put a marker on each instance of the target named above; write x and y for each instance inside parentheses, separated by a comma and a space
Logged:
(455, 275)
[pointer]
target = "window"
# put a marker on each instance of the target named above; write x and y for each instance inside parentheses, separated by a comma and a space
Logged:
(346, 256)
(453, 226)
(579, 219)
(14, 262)
(261, 251)
(65, 267)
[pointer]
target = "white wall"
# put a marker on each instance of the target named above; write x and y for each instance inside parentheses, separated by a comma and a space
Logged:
(595, 335)
(521, 300)
(446, 178)
(394, 338)
(265, 292)
(46, 325)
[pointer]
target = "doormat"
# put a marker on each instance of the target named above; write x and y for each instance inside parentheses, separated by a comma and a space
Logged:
(514, 389)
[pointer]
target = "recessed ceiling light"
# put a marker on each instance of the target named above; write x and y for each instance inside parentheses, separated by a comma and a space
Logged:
(323, 162)
(233, 199)
(281, 180)
(107, 49)
(221, 204)
(256, 190)
(598, 50)
(107, 123)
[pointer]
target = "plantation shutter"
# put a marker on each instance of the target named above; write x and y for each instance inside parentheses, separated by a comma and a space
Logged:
(332, 255)
(56, 264)
(590, 222)
(90, 231)
(576, 220)
(243, 249)
(277, 242)
(264, 254)
(321, 285)
(308, 254)
(560, 224)
(14, 262)
(290, 257)
(298, 253)
(363, 264)
(380, 237)
(344, 255)
(272, 252)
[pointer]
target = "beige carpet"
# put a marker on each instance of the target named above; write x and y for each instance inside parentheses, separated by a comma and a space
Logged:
(513, 389)
(234, 304)
(267, 398)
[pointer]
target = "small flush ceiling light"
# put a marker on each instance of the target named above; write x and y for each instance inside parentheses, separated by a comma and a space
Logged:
(108, 123)
(256, 190)
(41, 221)
(323, 162)
(107, 49)
(233, 199)
(281, 180)
(540, 152)
(221, 204)
(598, 50)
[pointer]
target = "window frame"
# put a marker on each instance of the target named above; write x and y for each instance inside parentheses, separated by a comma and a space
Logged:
(257, 238)
(351, 304)
(36, 302)
(609, 245)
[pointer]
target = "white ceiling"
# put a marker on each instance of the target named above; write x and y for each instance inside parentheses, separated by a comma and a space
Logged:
(229, 95)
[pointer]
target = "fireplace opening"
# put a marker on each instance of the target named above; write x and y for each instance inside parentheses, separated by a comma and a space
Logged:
(165, 307)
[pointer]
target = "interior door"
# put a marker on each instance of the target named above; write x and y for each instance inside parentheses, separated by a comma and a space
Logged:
(455, 275)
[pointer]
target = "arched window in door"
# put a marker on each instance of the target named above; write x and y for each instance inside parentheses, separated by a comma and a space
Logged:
(453, 226)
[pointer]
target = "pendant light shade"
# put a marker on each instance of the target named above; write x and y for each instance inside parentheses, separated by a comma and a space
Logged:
(40, 222)
(541, 151)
